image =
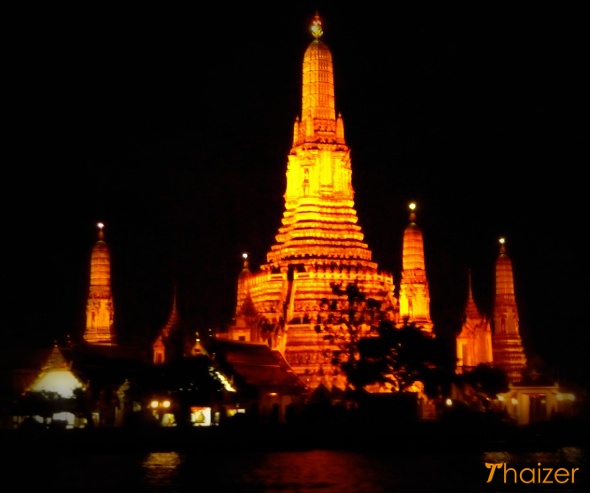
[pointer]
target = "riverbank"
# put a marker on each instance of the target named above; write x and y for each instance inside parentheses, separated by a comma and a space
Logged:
(406, 437)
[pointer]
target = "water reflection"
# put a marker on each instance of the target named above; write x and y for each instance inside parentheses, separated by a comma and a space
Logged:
(243, 470)
(346, 471)
(161, 468)
(318, 470)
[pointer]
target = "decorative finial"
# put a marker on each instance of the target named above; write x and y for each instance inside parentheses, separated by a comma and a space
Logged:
(316, 27)
(502, 242)
(412, 207)
(100, 227)
(245, 257)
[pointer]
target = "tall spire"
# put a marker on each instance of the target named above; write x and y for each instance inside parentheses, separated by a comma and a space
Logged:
(318, 103)
(320, 244)
(319, 220)
(99, 306)
(242, 284)
(508, 350)
(162, 347)
(413, 244)
(414, 296)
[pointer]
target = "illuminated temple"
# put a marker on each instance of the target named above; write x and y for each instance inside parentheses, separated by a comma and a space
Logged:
(318, 291)
(319, 249)
(302, 291)
(100, 310)
(474, 342)
(497, 340)
(508, 352)
(414, 294)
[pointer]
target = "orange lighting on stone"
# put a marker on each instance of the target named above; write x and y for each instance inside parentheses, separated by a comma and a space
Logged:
(319, 242)
(100, 312)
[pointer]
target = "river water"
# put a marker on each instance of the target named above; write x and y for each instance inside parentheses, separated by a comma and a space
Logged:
(282, 471)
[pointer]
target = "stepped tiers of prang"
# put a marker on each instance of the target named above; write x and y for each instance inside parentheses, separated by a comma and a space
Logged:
(319, 246)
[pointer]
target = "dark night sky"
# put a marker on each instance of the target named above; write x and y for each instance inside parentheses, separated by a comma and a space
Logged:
(173, 128)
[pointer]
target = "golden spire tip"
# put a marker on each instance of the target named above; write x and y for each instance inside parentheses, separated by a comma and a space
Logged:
(316, 26)
(412, 207)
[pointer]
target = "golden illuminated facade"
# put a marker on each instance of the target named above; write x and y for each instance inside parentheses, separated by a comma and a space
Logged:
(100, 310)
(507, 345)
(474, 342)
(414, 295)
(319, 244)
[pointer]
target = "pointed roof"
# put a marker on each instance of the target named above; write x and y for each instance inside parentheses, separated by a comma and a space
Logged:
(56, 360)
(471, 310)
(56, 376)
(257, 365)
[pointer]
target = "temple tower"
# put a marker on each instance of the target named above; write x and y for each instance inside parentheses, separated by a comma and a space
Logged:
(319, 246)
(474, 342)
(414, 295)
(507, 345)
(100, 310)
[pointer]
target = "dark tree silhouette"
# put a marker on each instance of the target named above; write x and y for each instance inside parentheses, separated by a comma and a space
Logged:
(371, 349)
(401, 357)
